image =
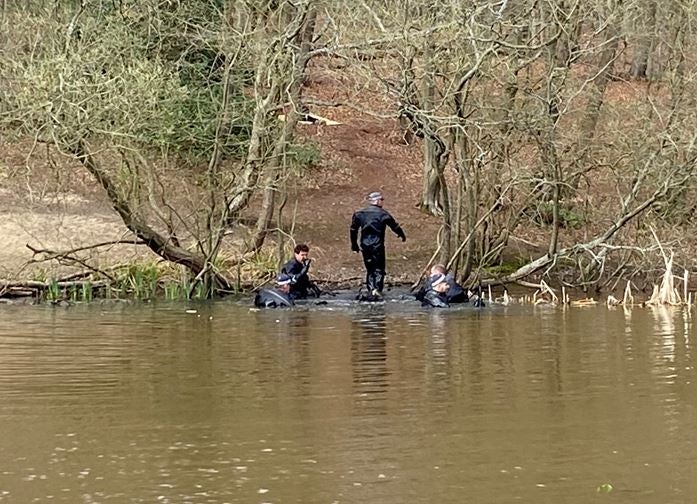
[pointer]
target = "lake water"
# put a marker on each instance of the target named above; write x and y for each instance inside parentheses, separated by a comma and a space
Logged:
(386, 403)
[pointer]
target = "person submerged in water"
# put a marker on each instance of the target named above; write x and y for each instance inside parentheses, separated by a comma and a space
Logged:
(370, 222)
(297, 268)
(456, 293)
(434, 293)
(278, 297)
(441, 289)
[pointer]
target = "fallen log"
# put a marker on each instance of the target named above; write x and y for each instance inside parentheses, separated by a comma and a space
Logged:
(33, 287)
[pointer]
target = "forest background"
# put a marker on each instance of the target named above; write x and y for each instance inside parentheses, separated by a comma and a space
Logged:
(184, 147)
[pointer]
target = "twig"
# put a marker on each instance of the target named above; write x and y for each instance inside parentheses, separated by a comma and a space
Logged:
(430, 261)
(56, 255)
(67, 255)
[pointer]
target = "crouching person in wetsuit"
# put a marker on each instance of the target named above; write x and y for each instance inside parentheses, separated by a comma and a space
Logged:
(301, 287)
(433, 293)
(456, 293)
(278, 297)
(441, 290)
(371, 222)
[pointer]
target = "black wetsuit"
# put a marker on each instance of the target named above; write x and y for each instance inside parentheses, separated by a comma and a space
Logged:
(272, 298)
(372, 221)
(456, 293)
(430, 297)
(427, 286)
(301, 287)
(435, 300)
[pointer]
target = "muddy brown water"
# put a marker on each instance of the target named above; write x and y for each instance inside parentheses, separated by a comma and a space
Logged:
(345, 403)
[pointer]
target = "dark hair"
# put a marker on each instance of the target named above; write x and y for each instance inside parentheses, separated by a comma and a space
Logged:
(301, 247)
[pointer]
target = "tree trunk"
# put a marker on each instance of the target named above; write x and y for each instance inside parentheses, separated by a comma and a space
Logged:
(469, 182)
(645, 43)
(553, 160)
(434, 192)
(265, 215)
(156, 242)
(589, 123)
(275, 165)
(603, 74)
(283, 80)
(570, 20)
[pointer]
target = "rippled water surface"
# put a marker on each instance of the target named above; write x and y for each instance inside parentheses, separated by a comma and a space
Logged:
(349, 404)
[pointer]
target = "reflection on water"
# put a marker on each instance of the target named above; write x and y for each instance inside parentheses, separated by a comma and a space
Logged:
(369, 357)
(665, 329)
(379, 403)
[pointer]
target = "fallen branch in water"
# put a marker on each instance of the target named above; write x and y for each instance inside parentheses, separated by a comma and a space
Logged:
(32, 287)
(598, 241)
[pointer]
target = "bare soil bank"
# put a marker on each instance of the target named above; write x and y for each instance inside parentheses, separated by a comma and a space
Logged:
(60, 208)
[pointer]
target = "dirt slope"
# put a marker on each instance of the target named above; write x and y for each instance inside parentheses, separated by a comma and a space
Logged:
(359, 156)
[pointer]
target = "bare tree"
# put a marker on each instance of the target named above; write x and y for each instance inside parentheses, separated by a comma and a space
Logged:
(520, 110)
(144, 94)
(514, 98)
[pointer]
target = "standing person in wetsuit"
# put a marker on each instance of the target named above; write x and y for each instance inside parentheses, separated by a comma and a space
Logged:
(278, 297)
(297, 268)
(371, 221)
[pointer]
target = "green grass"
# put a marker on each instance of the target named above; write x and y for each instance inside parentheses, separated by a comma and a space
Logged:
(149, 280)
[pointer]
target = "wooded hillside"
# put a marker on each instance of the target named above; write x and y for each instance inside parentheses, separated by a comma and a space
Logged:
(566, 124)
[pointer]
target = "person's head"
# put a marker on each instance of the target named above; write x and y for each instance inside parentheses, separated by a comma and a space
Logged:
(439, 283)
(438, 269)
(283, 282)
(301, 251)
(376, 198)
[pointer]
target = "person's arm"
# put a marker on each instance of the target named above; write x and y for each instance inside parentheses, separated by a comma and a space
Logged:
(435, 300)
(259, 300)
(289, 267)
(353, 232)
(287, 300)
(306, 267)
(395, 227)
(296, 270)
(316, 291)
(425, 288)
